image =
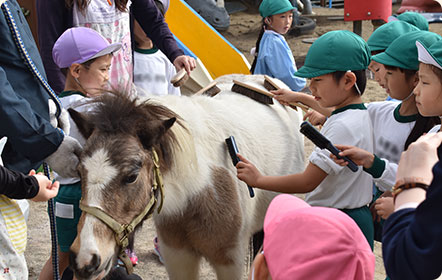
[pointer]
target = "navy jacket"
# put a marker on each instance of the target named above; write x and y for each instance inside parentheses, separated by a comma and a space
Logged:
(24, 113)
(54, 18)
(412, 238)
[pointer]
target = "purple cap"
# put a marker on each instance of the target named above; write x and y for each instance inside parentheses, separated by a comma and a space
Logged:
(80, 44)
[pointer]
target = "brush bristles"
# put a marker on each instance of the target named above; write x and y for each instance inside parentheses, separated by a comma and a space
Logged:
(212, 91)
(261, 98)
(269, 86)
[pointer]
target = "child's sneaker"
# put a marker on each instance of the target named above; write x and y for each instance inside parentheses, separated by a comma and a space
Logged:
(157, 249)
(133, 258)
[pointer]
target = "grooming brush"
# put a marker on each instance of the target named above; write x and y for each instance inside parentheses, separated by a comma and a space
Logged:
(233, 150)
(253, 92)
(323, 143)
(180, 78)
(270, 84)
(211, 90)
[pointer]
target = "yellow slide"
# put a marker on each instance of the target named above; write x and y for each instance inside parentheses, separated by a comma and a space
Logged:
(216, 53)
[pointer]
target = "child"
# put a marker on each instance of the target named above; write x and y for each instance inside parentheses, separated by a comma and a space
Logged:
(152, 69)
(85, 58)
(336, 64)
(304, 242)
(273, 56)
(413, 18)
(395, 125)
(15, 185)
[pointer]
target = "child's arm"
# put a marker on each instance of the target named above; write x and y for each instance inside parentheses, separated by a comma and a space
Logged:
(285, 96)
(303, 182)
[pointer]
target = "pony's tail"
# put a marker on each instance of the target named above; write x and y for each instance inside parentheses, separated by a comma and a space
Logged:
(252, 69)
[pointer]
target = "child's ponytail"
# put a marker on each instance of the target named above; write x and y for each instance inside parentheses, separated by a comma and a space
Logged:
(261, 33)
(421, 126)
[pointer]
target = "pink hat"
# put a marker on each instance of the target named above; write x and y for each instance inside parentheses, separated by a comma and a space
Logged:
(304, 242)
(80, 44)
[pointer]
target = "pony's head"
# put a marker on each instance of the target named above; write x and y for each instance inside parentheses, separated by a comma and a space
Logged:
(118, 171)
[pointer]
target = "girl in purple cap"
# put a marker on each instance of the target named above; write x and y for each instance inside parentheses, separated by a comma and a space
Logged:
(84, 57)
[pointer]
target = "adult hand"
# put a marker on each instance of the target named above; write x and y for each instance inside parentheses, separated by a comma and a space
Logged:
(47, 189)
(314, 117)
(415, 165)
(62, 121)
(358, 155)
(186, 62)
(247, 172)
(65, 159)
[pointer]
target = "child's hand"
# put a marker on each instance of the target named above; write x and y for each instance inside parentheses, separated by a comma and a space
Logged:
(47, 189)
(314, 117)
(358, 155)
(247, 172)
(384, 207)
(285, 96)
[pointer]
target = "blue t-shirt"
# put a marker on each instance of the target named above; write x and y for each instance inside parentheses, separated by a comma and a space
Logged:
(276, 60)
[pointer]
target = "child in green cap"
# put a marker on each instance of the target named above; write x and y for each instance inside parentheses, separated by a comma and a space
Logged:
(336, 64)
(413, 18)
(273, 56)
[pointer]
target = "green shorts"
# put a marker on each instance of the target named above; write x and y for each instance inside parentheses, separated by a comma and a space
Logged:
(363, 219)
(67, 214)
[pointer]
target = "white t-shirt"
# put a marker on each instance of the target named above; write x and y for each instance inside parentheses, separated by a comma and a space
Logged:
(343, 188)
(391, 130)
(153, 72)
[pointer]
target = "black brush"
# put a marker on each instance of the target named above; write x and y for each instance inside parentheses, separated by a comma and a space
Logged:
(233, 150)
(270, 84)
(257, 94)
(323, 143)
(211, 90)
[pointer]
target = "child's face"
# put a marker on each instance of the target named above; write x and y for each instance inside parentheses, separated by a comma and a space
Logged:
(428, 92)
(378, 71)
(326, 91)
(281, 23)
(398, 87)
(94, 78)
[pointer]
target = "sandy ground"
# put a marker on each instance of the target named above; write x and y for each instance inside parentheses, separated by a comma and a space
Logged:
(242, 33)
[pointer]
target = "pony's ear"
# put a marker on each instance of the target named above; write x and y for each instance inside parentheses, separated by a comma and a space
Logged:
(85, 127)
(154, 132)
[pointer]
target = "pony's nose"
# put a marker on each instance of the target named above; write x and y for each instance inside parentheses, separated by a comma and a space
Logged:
(87, 270)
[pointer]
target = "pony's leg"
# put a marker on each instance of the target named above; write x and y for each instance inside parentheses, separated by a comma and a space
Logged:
(180, 263)
(236, 269)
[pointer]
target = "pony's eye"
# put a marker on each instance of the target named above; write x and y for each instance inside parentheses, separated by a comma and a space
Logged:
(130, 179)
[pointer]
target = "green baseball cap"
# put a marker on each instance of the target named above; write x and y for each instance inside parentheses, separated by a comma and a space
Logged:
(430, 55)
(339, 50)
(402, 52)
(382, 37)
(274, 7)
(412, 18)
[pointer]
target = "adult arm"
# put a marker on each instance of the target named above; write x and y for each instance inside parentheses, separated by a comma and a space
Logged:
(53, 19)
(412, 244)
(17, 185)
(153, 24)
(28, 133)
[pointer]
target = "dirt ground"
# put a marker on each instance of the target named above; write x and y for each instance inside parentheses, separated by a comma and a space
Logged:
(242, 33)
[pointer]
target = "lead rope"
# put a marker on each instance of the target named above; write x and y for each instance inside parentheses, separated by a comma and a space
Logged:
(30, 64)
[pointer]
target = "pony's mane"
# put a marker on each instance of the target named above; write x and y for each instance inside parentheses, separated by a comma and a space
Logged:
(115, 112)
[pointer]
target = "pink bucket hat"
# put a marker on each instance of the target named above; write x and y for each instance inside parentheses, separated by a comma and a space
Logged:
(304, 242)
(80, 44)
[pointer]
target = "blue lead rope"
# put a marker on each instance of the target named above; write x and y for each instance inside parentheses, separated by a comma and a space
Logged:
(30, 64)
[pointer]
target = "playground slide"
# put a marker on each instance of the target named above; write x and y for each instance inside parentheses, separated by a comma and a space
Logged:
(218, 55)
